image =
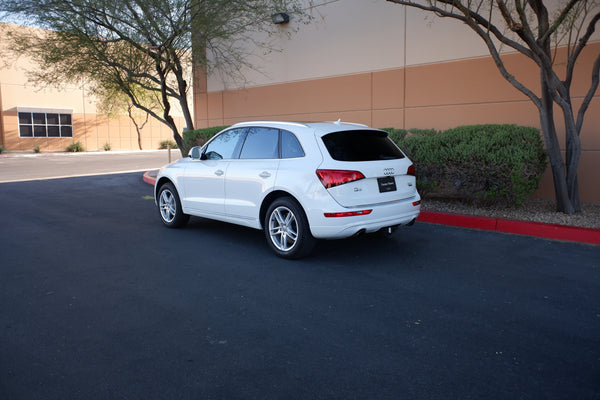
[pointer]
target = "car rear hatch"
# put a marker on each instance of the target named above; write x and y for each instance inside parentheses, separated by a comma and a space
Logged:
(365, 167)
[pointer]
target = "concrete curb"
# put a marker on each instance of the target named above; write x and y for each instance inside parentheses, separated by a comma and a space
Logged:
(537, 229)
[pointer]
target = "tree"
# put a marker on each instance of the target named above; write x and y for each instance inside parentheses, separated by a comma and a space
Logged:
(531, 28)
(143, 44)
(113, 102)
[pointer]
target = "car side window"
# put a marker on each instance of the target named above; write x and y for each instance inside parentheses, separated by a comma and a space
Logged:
(261, 143)
(225, 146)
(290, 146)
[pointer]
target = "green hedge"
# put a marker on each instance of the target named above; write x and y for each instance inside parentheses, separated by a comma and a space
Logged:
(479, 163)
(198, 137)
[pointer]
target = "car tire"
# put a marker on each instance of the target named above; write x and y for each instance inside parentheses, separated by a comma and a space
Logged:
(286, 229)
(169, 207)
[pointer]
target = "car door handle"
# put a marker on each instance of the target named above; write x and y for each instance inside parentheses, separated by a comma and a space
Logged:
(219, 172)
(264, 174)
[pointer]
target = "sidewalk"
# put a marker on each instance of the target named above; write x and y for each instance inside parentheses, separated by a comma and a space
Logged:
(536, 229)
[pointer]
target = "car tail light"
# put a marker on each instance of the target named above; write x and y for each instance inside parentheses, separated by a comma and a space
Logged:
(347, 214)
(333, 177)
(411, 170)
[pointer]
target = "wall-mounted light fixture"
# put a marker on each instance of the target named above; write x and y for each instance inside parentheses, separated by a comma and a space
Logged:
(280, 18)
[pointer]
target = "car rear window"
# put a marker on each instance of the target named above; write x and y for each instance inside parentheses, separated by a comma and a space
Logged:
(361, 145)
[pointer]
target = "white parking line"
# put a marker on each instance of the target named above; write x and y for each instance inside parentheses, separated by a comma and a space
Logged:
(73, 176)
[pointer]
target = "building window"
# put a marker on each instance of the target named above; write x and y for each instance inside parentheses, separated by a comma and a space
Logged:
(41, 122)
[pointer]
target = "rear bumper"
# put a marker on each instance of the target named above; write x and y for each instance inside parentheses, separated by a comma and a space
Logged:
(383, 215)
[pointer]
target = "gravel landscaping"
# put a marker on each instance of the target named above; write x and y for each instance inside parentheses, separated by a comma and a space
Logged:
(536, 210)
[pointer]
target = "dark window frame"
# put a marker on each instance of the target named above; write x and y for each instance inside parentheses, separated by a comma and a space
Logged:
(31, 126)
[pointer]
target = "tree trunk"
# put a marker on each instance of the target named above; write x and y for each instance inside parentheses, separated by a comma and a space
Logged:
(179, 141)
(172, 125)
(572, 159)
(561, 191)
(573, 184)
(137, 128)
(185, 107)
(166, 104)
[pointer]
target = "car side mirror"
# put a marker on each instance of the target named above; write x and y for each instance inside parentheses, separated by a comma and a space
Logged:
(195, 153)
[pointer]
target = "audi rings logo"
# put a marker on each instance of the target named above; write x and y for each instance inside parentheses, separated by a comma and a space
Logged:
(388, 171)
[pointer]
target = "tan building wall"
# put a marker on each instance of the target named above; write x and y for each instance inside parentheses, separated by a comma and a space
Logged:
(1, 119)
(91, 129)
(387, 66)
(437, 96)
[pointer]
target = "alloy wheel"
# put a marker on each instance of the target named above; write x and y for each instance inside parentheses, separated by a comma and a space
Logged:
(283, 228)
(167, 205)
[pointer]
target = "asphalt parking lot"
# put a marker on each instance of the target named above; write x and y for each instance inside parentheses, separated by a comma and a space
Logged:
(99, 301)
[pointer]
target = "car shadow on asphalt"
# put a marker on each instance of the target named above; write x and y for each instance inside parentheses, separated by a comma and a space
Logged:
(369, 249)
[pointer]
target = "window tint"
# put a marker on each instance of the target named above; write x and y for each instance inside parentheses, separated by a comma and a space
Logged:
(361, 146)
(66, 131)
(52, 119)
(39, 130)
(39, 118)
(290, 147)
(25, 118)
(53, 131)
(65, 119)
(225, 146)
(25, 131)
(261, 143)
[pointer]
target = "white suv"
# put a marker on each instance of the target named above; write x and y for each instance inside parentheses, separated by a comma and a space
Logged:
(296, 181)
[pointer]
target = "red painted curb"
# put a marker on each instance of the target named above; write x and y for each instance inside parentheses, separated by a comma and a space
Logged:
(150, 177)
(548, 231)
(465, 221)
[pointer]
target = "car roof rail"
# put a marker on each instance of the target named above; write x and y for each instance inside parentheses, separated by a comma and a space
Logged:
(249, 123)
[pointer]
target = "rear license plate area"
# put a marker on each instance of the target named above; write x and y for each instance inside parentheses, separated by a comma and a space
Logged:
(386, 184)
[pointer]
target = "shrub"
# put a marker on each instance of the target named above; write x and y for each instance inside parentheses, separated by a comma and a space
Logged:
(165, 144)
(423, 132)
(75, 148)
(479, 163)
(107, 147)
(37, 149)
(396, 134)
(198, 137)
(2, 149)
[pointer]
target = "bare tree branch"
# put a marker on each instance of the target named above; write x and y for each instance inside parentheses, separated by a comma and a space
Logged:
(532, 15)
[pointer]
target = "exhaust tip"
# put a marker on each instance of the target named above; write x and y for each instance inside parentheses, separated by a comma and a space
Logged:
(359, 233)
